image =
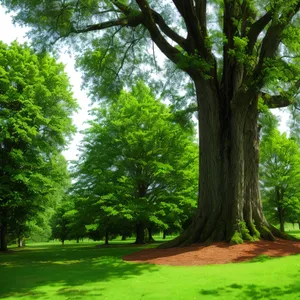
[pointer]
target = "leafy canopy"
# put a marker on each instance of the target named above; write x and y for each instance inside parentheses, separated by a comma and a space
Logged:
(136, 164)
(280, 175)
(36, 104)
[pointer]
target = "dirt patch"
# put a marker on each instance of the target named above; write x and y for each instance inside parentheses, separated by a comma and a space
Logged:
(217, 253)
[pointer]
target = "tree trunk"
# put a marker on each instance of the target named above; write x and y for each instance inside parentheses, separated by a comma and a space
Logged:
(77, 240)
(229, 206)
(62, 241)
(106, 237)
(140, 233)
(150, 237)
(282, 225)
(281, 218)
(164, 234)
(299, 225)
(20, 242)
(123, 237)
(3, 236)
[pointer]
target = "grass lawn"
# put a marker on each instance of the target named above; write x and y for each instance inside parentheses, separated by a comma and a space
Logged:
(82, 271)
(294, 230)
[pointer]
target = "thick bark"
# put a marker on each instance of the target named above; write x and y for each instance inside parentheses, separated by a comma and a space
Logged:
(140, 233)
(229, 207)
(253, 211)
(123, 237)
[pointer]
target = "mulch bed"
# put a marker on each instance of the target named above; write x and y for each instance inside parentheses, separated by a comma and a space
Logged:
(217, 253)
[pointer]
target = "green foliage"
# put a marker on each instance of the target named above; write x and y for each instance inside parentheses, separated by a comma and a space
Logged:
(280, 169)
(233, 52)
(136, 165)
(237, 238)
(239, 52)
(36, 104)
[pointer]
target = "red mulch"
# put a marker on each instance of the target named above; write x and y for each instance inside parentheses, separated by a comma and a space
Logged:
(217, 253)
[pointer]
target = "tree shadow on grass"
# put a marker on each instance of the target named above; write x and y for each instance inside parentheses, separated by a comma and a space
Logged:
(263, 249)
(146, 255)
(254, 292)
(65, 270)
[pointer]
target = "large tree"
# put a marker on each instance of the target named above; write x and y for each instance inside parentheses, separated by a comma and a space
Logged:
(234, 51)
(36, 104)
(137, 165)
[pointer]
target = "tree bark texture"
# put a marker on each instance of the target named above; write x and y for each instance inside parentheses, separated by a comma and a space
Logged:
(229, 207)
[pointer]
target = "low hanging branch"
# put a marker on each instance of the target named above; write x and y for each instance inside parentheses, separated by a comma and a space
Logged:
(277, 101)
(132, 22)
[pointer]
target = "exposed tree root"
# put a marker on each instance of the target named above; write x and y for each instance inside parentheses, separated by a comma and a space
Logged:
(282, 235)
(249, 232)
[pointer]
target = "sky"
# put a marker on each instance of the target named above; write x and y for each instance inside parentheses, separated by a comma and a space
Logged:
(13, 32)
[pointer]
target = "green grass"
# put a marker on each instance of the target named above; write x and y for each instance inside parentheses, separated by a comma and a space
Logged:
(294, 230)
(83, 271)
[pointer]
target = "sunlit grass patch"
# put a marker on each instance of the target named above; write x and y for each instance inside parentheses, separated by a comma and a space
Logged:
(83, 272)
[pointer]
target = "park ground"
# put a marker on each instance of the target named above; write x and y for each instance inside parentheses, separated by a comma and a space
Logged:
(89, 270)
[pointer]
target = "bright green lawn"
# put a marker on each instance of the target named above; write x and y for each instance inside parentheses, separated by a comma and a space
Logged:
(52, 271)
(294, 230)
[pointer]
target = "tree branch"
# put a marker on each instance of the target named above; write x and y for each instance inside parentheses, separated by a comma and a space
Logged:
(149, 22)
(132, 22)
(272, 38)
(269, 47)
(277, 101)
(201, 14)
(256, 28)
(230, 66)
(187, 10)
(158, 19)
